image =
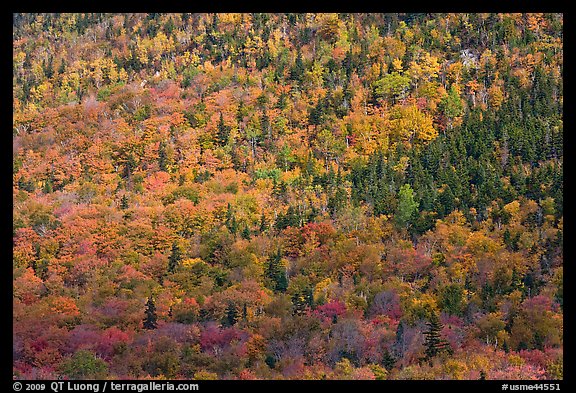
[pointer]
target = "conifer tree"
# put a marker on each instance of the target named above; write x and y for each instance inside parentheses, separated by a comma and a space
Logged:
(244, 312)
(231, 316)
(162, 157)
(223, 131)
(246, 233)
(302, 300)
(124, 202)
(150, 320)
(231, 222)
(263, 223)
(175, 257)
(297, 71)
(276, 272)
(434, 343)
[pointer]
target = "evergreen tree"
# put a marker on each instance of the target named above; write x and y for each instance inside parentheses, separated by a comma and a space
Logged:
(388, 360)
(290, 219)
(245, 233)
(337, 201)
(276, 272)
(452, 299)
(175, 257)
(302, 300)
(231, 316)
(297, 71)
(434, 343)
(150, 321)
(265, 125)
(263, 223)
(48, 68)
(124, 202)
(270, 361)
(316, 114)
(244, 312)
(231, 223)
(241, 112)
(223, 131)
(162, 157)
(26, 185)
(446, 202)
(282, 101)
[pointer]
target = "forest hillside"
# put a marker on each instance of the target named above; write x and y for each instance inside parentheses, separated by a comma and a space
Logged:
(288, 196)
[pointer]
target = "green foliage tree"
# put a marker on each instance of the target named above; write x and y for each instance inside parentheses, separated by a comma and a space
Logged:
(452, 299)
(84, 365)
(297, 71)
(392, 86)
(245, 233)
(451, 105)
(407, 206)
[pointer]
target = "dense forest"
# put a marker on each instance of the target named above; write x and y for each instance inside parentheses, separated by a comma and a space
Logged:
(288, 196)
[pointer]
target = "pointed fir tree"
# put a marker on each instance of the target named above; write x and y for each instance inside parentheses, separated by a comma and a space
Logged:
(231, 316)
(124, 202)
(245, 233)
(434, 343)
(231, 223)
(150, 320)
(388, 360)
(62, 67)
(263, 223)
(223, 131)
(276, 273)
(297, 71)
(265, 125)
(245, 312)
(175, 258)
(162, 157)
(48, 68)
(302, 300)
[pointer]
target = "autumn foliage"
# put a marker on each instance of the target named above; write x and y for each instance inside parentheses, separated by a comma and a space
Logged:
(288, 196)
